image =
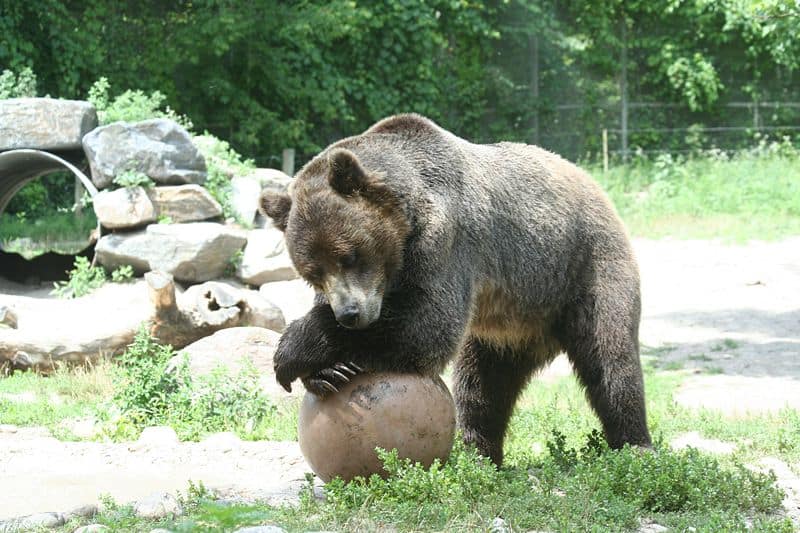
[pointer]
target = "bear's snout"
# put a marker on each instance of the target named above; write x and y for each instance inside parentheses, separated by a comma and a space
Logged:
(349, 316)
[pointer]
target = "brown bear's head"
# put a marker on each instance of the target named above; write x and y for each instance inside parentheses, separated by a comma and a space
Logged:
(345, 231)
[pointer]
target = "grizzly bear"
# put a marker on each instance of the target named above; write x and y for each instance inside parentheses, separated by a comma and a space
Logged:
(425, 248)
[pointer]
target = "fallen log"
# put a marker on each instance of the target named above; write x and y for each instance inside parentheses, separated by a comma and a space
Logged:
(175, 318)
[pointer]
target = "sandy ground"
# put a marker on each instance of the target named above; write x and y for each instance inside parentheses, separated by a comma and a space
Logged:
(732, 312)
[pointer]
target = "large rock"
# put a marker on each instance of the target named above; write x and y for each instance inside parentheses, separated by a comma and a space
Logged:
(184, 203)
(233, 348)
(124, 208)
(160, 148)
(271, 179)
(194, 252)
(45, 123)
(244, 198)
(265, 258)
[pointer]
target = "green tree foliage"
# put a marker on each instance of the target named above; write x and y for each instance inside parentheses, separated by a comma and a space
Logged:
(268, 75)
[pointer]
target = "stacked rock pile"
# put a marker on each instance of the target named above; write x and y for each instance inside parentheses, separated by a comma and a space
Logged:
(176, 226)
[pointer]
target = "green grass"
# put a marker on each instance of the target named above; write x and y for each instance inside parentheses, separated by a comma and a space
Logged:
(559, 476)
(751, 195)
(65, 394)
(59, 231)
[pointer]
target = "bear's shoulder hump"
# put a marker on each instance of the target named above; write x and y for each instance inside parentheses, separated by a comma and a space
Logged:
(410, 123)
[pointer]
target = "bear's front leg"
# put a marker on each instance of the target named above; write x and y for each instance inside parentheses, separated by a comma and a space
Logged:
(306, 353)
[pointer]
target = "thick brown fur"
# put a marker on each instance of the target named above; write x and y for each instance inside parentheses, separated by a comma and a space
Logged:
(430, 249)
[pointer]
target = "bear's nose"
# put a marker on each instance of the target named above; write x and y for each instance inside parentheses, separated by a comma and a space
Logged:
(348, 317)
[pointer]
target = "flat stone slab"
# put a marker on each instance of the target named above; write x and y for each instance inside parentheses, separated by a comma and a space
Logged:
(194, 252)
(45, 123)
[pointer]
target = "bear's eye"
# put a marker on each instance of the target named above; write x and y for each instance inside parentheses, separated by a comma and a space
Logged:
(348, 260)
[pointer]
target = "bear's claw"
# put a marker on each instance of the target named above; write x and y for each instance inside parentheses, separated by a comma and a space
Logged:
(330, 380)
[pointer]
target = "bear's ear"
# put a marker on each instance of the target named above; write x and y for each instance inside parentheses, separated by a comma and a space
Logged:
(276, 206)
(346, 175)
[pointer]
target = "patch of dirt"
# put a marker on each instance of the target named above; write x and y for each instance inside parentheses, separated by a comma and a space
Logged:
(43, 474)
(731, 313)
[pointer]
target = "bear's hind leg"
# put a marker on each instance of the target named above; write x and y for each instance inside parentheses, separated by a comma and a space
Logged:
(601, 340)
(487, 382)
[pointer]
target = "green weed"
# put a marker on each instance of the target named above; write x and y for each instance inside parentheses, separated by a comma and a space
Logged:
(83, 279)
(122, 274)
(133, 178)
(726, 344)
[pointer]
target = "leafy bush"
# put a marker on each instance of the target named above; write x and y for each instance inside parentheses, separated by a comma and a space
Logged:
(83, 279)
(223, 162)
(663, 480)
(131, 106)
(22, 85)
(133, 178)
(151, 391)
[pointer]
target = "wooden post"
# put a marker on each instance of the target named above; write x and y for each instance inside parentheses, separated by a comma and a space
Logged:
(288, 161)
(623, 89)
(605, 150)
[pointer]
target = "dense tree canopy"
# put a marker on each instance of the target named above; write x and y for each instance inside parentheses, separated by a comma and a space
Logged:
(269, 75)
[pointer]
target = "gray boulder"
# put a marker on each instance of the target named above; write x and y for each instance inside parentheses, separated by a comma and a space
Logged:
(265, 258)
(271, 179)
(184, 203)
(159, 148)
(45, 123)
(194, 252)
(245, 190)
(124, 208)
(244, 198)
(234, 348)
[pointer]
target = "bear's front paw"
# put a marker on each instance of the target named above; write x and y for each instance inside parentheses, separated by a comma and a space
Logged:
(329, 380)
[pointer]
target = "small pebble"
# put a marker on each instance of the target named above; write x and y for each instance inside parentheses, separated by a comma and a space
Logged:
(261, 529)
(92, 528)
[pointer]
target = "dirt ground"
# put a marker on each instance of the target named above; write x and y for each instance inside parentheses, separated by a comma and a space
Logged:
(730, 311)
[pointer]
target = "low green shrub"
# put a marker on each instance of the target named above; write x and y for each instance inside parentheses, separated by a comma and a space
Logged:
(133, 178)
(150, 391)
(83, 279)
(22, 85)
(586, 488)
(131, 106)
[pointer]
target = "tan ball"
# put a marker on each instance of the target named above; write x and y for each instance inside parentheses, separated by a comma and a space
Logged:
(413, 414)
